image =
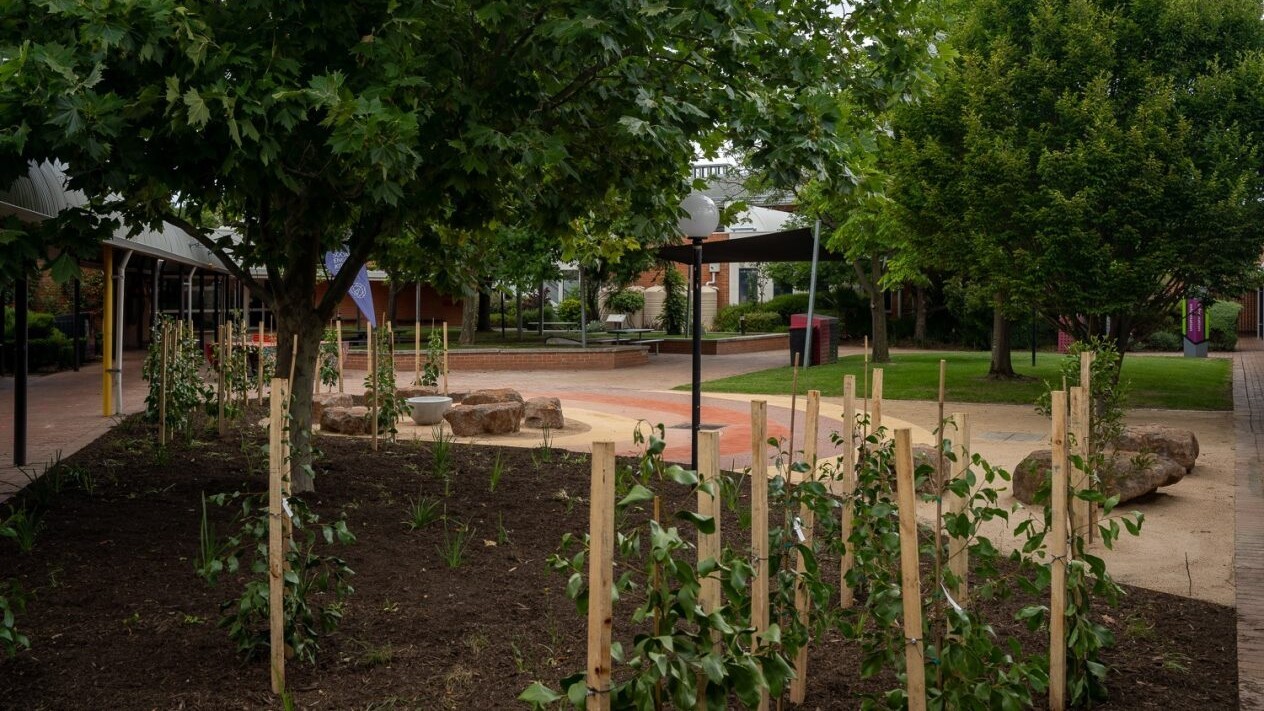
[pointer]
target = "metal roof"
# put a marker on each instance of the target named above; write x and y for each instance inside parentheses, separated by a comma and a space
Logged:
(42, 194)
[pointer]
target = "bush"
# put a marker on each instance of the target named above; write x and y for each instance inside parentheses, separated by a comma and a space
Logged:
(569, 310)
(763, 322)
(675, 302)
(1222, 325)
(728, 318)
(1161, 341)
(38, 325)
(788, 304)
(625, 302)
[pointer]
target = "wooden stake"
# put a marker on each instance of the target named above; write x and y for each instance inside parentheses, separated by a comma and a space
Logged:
(1057, 553)
(846, 594)
(373, 384)
(710, 596)
(1079, 417)
(259, 394)
(219, 390)
(600, 575)
(877, 399)
(276, 551)
(1086, 382)
(416, 352)
(338, 332)
(910, 582)
(958, 548)
(794, 409)
(445, 357)
(807, 522)
(163, 345)
(939, 522)
(759, 526)
(865, 434)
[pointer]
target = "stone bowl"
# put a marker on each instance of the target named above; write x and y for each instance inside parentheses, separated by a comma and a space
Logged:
(429, 409)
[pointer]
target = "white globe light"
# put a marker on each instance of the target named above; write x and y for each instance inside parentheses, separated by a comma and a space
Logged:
(701, 218)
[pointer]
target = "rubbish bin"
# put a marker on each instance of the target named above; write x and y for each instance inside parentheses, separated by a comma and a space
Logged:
(824, 339)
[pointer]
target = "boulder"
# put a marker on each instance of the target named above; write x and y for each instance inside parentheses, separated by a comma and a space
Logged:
(493, 395)
(407, 391)
(924, 455)
(320, 401)
(542, 412)
(1128, 475)
(345, 420)
(493, 418)
(1176, 444)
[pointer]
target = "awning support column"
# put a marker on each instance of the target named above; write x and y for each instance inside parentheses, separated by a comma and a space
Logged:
(116, 373)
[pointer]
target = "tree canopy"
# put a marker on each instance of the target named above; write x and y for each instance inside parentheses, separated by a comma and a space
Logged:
(311, 126)
(1095, 159)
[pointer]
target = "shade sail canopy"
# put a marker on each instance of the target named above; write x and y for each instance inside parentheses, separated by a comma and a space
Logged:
(785, 246)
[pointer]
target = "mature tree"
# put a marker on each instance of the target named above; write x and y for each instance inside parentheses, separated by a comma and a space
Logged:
(1097, 159)
(314, 126)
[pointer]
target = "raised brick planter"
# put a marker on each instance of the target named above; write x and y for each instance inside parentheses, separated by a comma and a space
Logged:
(730, 346)
(606, 358)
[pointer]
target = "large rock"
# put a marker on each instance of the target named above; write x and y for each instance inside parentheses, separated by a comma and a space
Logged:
(542, 412)
(345, 420)
(1176, 444)
(493, 418)
(407, 391)
(1128, 475)
(320, 401)
(490, 396)
(924, 455)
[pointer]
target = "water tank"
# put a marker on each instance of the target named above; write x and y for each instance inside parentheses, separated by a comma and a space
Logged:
(709, 296)
(654, 298)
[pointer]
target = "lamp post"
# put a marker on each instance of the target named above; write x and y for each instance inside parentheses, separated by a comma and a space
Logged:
(699, 221)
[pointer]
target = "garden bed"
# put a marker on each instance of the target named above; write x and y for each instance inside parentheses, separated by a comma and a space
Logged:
(119, 620)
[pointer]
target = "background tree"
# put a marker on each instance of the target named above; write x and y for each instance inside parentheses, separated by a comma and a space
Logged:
(1096, 159)
(313, 126)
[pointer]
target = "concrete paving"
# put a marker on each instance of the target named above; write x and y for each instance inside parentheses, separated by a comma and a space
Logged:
(1248, 411)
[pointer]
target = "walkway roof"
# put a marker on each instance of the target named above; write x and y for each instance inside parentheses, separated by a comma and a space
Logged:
(42, 194)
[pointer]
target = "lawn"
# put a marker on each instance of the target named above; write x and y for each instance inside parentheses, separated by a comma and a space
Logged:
(1154, 381)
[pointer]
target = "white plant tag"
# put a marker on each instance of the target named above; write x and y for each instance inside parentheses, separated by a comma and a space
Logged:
(952, 602)
(285, 506)
(798, 529)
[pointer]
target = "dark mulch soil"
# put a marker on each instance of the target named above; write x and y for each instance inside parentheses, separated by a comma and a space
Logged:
(119, 621)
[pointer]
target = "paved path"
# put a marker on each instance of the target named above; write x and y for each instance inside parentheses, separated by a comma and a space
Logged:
(64, 415)
(1248, 411)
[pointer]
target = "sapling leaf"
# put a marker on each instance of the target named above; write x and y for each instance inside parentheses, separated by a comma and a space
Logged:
(705, 524)
(637, 495)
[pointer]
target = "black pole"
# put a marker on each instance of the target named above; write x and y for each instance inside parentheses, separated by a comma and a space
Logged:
(697, 351)
(1033, 338)
(74, 311)
(502, 315)
(541, 308)
(2, 344)
(20, 304)
(202, 307)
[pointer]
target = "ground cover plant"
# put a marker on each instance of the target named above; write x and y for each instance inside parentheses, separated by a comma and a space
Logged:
(1153, 381)
(118, 618)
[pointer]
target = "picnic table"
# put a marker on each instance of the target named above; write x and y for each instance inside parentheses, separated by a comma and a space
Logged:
(555, 325)
(638, 332)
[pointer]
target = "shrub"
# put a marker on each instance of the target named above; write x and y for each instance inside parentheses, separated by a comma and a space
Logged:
(625, 302)
(788, 304)
(569, 310)
(675, 303)
(1163, 341)
(729, 318)
(186, 385)
(38, 325)
(1222, 325)
(764, 322)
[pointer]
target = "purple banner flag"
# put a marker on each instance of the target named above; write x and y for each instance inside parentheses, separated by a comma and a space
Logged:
(360, 292)
(1195, 321)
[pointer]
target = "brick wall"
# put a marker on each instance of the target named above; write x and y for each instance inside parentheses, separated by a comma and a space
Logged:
(732, 346)
(433, 305)
(522, 359)
(654, 277)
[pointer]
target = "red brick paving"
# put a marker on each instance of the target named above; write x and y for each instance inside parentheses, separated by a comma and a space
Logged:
(1248, 411)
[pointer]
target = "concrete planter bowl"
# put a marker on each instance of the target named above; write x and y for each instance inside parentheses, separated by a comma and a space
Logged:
(429, 409)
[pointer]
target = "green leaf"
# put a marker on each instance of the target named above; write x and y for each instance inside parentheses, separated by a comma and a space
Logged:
(637, 495)
(539, 696)
(198, 114)
(705, 524)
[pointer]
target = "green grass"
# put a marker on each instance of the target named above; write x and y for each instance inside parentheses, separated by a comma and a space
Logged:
(1154, 381)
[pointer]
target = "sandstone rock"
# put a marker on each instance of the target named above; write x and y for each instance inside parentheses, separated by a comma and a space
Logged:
(541, 412)
(494, 395)
(1126, 474)
(924, 455)
(320, 401)
(490, 418)
(345, 420)
(407, 391)
(1174, 443)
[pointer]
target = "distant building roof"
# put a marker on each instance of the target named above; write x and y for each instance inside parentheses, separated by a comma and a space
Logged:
(726, 184)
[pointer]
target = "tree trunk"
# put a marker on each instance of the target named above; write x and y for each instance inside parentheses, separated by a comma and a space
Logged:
(469, 314)
(870, 280)
(392, 291)
(919, 320)
(484, 310)
(295, 315)
(1002, 366)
